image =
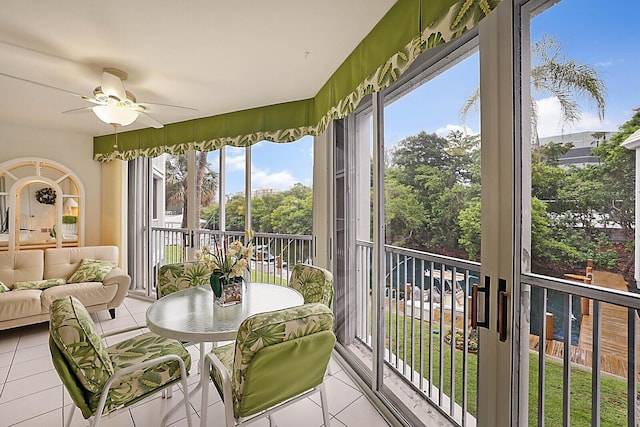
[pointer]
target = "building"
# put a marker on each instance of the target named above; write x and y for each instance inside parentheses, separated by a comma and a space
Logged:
(583, 143)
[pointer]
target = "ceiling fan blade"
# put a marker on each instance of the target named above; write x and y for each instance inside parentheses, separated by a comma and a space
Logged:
(78, 110)
(112, 85)
(92, 100)
(148, 120)
(49, 86)
(155, 106)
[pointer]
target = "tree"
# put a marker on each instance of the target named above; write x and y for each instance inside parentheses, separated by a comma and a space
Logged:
(433, 177)
(470, 219)
(617, 174)
(235, 213)
(552, 73)
(402, 219)
(295, 214)
(176, 183)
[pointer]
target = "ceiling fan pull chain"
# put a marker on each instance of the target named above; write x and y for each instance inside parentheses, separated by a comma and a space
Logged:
(115, 130)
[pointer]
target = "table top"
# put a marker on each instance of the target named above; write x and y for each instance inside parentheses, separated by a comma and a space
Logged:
(191, 315)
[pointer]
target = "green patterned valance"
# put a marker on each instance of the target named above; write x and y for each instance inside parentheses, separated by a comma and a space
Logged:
(407, 30)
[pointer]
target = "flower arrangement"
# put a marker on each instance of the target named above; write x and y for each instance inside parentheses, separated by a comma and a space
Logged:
(472, 343)
(227, 263)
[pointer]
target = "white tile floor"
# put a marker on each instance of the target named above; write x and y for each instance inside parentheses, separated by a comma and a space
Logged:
(31, 394)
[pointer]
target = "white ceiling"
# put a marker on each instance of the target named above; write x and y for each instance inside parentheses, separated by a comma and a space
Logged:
(213, 55)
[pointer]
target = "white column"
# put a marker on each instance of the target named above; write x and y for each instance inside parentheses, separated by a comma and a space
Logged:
(222, 189)
(637, 229)
(633, 143)
(247, 188)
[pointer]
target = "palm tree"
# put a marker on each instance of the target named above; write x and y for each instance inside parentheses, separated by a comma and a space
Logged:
(176, 183)
(554, 74)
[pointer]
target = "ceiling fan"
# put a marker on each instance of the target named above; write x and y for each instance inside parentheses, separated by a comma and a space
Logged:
(114, 104)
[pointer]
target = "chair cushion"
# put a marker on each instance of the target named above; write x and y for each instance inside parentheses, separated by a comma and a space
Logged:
(137, 385)
(225, 355)
(271, 328)
(314, 283)
(179, 276)
(92, 270)
(74, 332)
(282, 371)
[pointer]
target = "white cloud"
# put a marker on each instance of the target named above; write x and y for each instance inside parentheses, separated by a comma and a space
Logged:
(444, 131)
(234, 163)
(550, 121)
(282, 180)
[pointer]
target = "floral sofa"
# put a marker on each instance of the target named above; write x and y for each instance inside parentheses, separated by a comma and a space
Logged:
(32, 279)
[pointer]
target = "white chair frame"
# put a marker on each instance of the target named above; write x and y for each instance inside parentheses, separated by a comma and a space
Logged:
(212, 360)
(94, 421)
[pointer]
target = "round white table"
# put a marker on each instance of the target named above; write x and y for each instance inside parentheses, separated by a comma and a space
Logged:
(191, 315)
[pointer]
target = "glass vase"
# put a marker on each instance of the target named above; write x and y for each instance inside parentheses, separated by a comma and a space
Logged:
(225, 292)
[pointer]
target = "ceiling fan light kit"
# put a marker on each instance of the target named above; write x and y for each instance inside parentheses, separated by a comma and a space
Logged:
(115, 114)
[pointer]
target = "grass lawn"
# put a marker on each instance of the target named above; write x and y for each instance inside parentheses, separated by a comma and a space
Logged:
(613, 409)
(263, 277)
(173, 253)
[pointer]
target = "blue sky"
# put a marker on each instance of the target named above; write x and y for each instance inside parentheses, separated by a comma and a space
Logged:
(601, 34)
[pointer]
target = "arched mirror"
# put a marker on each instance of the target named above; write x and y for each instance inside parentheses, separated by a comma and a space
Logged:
(41, 205)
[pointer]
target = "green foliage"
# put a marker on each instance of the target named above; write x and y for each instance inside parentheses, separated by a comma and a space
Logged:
(69, 219)
(428, 182)
(284, 212)
(432, 199)
(566, 79)
(617, 175)
(402, 218)
(234, 213)
(470, 229)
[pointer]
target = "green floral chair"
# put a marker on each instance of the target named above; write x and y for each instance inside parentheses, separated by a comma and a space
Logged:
(314, 283)
(179, 276)
(278, 358)
(100, 379)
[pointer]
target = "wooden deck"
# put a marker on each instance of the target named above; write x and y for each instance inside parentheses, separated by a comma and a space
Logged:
(613, 343)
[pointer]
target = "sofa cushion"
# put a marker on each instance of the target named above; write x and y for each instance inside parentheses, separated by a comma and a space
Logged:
(39, 284)
(16, 305)
(89, 294)
(92, 270)
(63, 262)
(74, 333)
(21, 266)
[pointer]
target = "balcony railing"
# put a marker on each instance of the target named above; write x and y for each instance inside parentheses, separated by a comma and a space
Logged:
(427, 324)
(584, 338)
(275, 254)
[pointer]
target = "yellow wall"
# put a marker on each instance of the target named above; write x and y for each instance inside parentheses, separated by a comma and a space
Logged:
(114, 206)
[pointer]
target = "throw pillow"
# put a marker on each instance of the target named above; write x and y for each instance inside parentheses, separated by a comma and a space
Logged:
(91, 270)
(39, 284)
(3, 288)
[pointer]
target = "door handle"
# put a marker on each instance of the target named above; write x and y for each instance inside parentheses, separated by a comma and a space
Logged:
(503, 297)
(474, 307)
(475, 302)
